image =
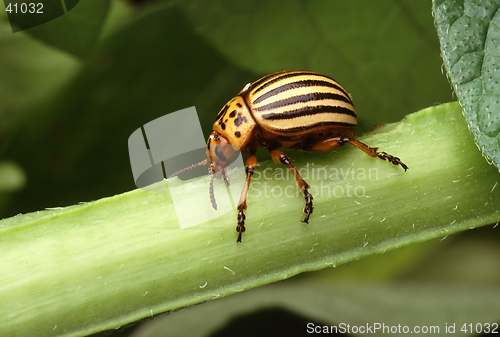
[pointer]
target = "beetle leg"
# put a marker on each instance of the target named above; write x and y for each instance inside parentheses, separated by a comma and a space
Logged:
(333, 143)
(250, 165)
(326, 145)
(372, 152)
(280, 158)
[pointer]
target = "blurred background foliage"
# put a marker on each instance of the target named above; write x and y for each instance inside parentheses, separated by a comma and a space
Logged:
(74, 89)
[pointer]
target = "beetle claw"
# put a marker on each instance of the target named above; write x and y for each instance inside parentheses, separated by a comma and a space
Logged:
(241, 225)
(308, 208)
(392, 159)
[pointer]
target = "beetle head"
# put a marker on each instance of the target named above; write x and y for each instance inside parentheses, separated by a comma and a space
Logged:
(220, 153)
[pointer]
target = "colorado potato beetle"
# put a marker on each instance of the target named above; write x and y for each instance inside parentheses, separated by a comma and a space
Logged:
(290, 109)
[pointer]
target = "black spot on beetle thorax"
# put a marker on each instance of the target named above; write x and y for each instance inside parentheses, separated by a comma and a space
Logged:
(240, 119)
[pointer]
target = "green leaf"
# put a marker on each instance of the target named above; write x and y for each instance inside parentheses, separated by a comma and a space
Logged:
(99, 265)
(469, 33)
(76, 32)
(28, 81)
(325, 304)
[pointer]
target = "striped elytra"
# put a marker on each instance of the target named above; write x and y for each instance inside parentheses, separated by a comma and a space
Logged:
(300, 102)
(290, 109)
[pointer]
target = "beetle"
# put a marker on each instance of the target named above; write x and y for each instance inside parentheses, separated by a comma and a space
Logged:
(290, 109)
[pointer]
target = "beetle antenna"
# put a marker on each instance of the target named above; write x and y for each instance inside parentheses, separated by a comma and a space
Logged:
(211, 189)
(201, 163)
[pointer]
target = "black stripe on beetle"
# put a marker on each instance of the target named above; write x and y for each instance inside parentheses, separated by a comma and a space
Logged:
(314, 126)
(308, 110)
(301, 84)
(222, 112)
(317, 96)
(259, 82)
(279, 78)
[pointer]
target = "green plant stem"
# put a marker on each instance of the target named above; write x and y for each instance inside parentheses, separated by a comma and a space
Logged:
(102, 264)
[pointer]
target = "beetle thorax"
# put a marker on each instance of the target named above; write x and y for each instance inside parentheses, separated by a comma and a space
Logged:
(235, 123)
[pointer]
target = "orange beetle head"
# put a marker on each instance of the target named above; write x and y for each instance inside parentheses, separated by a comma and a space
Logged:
(220, 153)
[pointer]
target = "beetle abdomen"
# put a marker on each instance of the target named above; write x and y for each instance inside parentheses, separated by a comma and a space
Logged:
(299, 102)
